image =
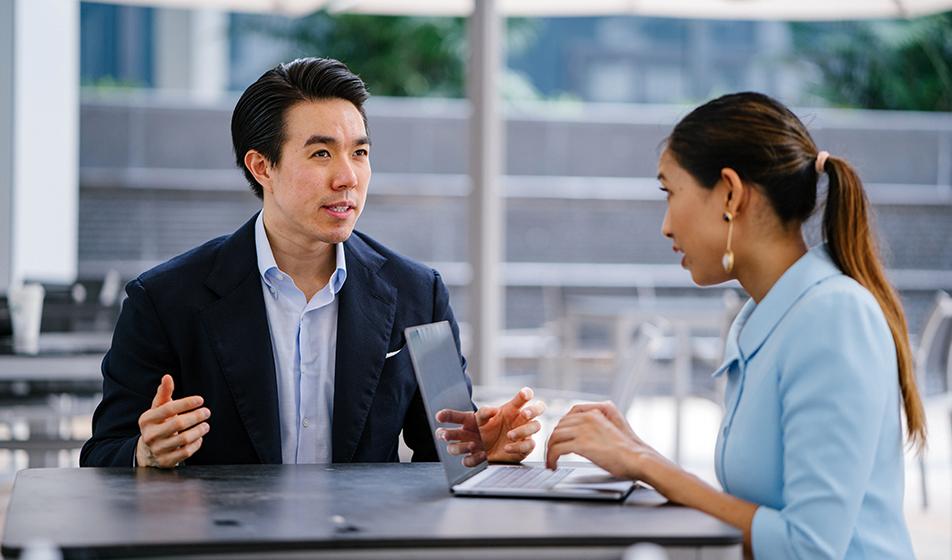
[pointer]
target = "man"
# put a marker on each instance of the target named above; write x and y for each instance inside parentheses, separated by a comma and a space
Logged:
(282, 343)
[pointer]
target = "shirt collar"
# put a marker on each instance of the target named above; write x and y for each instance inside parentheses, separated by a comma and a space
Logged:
(755, 322)
(263, 248)
(266, 262)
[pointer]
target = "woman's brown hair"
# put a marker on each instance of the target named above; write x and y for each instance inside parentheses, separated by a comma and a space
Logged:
(768, 146)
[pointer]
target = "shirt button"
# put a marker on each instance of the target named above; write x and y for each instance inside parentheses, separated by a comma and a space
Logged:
(280, 277)
(306, 422)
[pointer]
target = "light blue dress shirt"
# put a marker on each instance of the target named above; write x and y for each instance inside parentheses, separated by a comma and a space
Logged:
(812, 429)
(304, 341)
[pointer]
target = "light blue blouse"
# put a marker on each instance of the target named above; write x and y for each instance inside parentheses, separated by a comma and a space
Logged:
(812, 429)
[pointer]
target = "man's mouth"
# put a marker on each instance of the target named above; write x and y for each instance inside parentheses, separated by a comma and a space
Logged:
(339, 209)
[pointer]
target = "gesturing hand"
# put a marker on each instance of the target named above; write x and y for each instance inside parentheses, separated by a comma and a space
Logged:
(170, 431)
(501, 434)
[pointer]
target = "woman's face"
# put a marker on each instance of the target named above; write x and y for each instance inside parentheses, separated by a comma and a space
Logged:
(694, 221)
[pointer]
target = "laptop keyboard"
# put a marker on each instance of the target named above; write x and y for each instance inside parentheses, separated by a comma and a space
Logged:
(523, 477)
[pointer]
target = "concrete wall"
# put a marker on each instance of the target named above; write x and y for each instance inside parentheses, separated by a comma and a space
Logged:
(158, 177)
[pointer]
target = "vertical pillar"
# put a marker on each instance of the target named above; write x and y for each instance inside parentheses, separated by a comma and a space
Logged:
(39, 140)
(192, 51)
(486, 209)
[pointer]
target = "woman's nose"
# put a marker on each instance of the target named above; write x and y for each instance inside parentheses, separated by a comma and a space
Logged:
(666, 225)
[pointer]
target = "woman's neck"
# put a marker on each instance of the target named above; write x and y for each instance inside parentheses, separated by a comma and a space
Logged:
(765, 262)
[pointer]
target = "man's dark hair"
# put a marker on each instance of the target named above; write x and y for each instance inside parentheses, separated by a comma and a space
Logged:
(258, 120)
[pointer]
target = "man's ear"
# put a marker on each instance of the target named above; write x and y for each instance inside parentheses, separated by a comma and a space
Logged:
(260, 168)
(736, 192)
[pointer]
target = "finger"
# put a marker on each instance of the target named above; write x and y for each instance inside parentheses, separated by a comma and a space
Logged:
(523, 396)
(524, 431)
(474, 459)
(523, 448)
(533, 410)
(180, 423)
(562, 435)
(606, 409)
(586, 407)
(172, 408)
(571, 420)
(170, 460)
(163, 393)
(553, 452)
(456, 435)
(448, 416)
(461, 448)
(173, 442)
(596, 416)
(485, 414)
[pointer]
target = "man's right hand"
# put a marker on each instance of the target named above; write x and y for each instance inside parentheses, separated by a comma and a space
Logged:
(170, 431)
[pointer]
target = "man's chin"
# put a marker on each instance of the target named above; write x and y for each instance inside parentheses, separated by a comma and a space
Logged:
(337, 236)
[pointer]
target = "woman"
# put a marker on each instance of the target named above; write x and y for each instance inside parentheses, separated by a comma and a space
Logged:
(818, 364)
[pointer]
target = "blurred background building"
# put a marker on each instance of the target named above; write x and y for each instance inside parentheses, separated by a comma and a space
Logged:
(591, 288)
(589, 101)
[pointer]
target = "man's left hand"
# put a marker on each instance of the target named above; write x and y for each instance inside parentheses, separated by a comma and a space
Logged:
(503, 434)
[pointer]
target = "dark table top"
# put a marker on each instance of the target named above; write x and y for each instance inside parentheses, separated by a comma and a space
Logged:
(141, 512)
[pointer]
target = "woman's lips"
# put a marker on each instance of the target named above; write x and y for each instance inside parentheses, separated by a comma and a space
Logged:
(684, 258)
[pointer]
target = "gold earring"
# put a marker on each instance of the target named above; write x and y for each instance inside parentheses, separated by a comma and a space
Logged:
(727, 261)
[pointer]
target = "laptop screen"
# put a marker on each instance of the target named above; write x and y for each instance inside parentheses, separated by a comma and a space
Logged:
(443, 386)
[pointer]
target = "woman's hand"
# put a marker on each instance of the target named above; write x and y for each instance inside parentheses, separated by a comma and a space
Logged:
(611, 412)
(598, 432)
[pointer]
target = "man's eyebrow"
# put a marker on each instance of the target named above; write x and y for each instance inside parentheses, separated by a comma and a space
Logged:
(320, 139)
(331, 141)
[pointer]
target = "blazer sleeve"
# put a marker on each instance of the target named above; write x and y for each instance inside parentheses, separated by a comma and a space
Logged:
(416, 428)
(834, 387)
(132, 369)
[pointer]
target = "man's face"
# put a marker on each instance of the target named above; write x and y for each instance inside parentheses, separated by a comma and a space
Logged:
(318, 188)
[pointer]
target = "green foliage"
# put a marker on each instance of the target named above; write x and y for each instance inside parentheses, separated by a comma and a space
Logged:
(111, 84)
(396, 55)
(400, 56)
(903, 65)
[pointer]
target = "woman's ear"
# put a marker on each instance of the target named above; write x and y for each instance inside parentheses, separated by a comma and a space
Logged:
(736, 193)
(260, 168)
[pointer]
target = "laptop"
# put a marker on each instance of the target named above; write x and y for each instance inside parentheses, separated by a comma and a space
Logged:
(439, 374)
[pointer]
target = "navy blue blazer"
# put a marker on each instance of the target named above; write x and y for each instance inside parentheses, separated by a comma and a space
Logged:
(201, 318)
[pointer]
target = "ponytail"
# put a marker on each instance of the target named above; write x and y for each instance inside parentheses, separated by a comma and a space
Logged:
(767, 145)
(851, 244)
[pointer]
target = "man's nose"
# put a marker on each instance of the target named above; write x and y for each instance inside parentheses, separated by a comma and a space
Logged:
(345, 177)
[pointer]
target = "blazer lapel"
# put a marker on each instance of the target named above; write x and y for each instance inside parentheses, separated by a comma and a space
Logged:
(366, 309)
(237, 325)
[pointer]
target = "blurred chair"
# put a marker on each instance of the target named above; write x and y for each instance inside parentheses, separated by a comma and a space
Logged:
(633, 364)
(111, 290)
(645, 551)
(45, 426)
(6, 326)
(660, 345)
(934, 367)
